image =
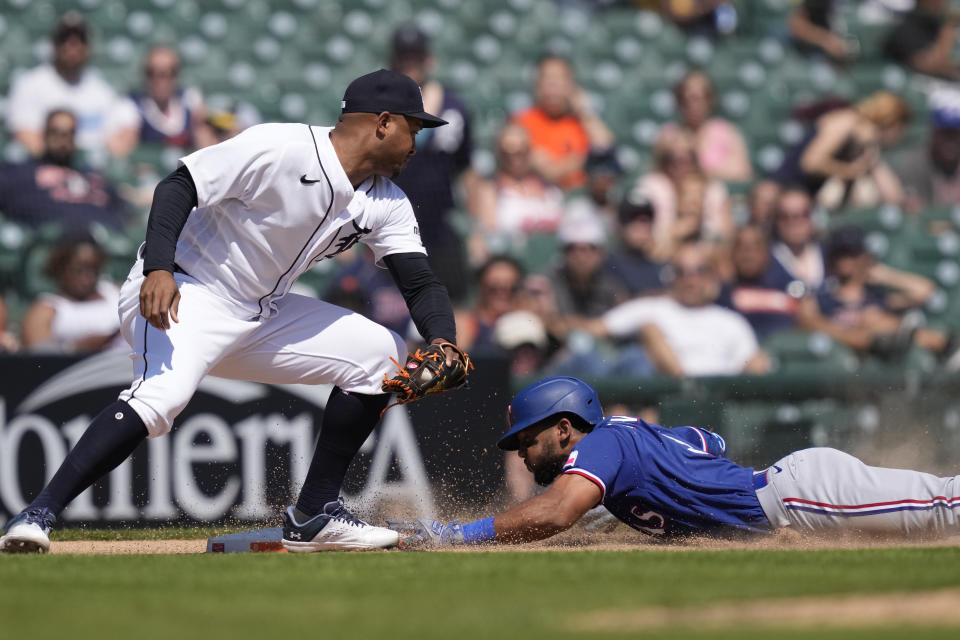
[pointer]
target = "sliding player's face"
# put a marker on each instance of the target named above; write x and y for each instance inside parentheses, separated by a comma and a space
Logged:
(541, 453)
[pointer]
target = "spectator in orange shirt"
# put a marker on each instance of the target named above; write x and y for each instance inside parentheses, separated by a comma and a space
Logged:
(561, 124)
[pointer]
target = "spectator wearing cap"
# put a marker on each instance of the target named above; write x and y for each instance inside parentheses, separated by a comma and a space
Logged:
(684, 332)
(225, 121)
(105, 121)
(523, 336)
(721, 150)
(861, 300)
(689, 206)
(599, 196)
(516, 202)
(631, 263)
(924, 39)
(443, 160)
(56, 187)
(562, 125)
(761, 290)
(582, 286)
(169, 114)
(930, 173)
(580, 290)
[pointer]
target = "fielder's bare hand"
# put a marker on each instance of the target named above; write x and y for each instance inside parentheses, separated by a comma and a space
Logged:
(159, 299)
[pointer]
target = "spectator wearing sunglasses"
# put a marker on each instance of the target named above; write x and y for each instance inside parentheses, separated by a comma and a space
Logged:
(57, 187)
(497, 287)
(169, 114)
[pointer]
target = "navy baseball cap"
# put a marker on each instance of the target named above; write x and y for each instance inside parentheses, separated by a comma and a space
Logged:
(389, 91)
(635, 205)
(410, 42)
(845, 242)
(946, 118)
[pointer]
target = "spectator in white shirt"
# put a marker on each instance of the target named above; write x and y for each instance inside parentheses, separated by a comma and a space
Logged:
(684, 332)
(81, 316)
(105, 120)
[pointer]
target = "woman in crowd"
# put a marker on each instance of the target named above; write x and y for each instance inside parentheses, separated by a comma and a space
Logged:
(82, 315)
(721, 149)
(841, 161)
(688, 204)
(517, 201)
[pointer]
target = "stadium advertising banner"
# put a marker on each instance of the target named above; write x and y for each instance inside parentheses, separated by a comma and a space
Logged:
(239, 450)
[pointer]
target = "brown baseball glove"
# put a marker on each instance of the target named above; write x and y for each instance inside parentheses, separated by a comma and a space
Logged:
(426, 371)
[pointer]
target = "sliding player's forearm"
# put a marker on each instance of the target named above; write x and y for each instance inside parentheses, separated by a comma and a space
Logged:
(535, 519)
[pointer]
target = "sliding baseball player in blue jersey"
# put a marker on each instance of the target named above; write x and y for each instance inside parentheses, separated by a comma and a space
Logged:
(676, 482)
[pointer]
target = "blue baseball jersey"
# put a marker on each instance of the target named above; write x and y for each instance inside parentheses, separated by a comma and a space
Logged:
(668, 482)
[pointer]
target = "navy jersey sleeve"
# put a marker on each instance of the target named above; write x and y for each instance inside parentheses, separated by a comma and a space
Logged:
(701, 439)
(597, 457)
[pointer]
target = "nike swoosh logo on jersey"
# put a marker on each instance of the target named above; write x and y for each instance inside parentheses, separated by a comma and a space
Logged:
(304, 180)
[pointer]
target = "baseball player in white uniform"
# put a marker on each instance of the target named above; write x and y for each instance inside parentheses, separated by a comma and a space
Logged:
(229, 232)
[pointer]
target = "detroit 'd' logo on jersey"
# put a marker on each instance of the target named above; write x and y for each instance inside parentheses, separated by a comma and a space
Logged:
(343, 243)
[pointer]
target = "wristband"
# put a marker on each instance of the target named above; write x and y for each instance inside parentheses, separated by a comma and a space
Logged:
(479, 532)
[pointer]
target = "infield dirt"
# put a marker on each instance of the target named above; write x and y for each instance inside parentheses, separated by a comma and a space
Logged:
(574, 541)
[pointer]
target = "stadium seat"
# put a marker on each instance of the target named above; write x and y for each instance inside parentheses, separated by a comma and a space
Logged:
(801, 352)
(539, 253)
(885, 218)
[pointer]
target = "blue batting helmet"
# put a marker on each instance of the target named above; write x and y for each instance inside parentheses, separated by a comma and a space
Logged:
(548, 397)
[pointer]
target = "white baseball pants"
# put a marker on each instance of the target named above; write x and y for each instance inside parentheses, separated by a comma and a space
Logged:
(823, 489)
(307, 341)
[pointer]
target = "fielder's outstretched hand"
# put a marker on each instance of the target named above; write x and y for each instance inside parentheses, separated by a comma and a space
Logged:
(160, 299)
(420, 534)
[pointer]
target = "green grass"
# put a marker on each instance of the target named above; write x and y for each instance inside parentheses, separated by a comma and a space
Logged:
(438, 595)
(173, 532)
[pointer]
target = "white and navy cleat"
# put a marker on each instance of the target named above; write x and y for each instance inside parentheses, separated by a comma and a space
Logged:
(334, 529)
(29, 532)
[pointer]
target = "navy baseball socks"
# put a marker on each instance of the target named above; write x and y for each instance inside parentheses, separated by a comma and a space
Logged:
(348, 420)
(320, 521)
(108, 441)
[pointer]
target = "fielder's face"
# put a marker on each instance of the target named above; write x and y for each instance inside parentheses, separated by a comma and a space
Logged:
(399, 142)
(541, 453)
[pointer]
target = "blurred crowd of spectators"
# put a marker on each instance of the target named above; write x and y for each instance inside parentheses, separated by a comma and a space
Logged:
(652, 274)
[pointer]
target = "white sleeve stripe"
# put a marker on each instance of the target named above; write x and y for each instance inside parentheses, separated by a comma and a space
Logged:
(589, 476)
(702, 439)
